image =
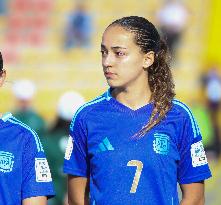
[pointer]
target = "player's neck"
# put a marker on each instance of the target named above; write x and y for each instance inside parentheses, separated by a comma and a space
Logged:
(132, 98)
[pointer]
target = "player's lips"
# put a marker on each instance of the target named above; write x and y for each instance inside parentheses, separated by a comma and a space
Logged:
(109, 74)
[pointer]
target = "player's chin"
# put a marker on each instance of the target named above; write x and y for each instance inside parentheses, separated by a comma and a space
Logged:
(113, 83)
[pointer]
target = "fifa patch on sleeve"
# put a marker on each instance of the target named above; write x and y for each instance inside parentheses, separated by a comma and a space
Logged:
(69, 148)
(198, 154)
(42, 170)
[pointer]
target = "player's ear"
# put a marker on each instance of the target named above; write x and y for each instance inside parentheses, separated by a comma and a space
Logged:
(2, 77)
(148, 59)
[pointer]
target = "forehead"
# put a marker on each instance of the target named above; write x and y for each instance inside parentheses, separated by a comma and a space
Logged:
(117, 36)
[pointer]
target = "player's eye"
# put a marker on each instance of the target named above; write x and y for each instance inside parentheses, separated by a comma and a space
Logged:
(120, 53)
(104, 52)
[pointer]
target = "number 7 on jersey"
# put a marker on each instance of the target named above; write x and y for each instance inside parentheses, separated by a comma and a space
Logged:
(139, 166)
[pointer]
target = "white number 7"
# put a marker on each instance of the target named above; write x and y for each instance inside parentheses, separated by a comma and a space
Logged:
(139, 166)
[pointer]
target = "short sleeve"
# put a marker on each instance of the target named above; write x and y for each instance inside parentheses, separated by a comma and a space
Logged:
(193, 165)
(76, 157)
(36, 176)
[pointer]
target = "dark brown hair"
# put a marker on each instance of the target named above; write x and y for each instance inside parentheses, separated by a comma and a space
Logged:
(1, 62)
(160, 78)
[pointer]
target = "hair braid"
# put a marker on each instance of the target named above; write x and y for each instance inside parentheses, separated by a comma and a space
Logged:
(161, 86)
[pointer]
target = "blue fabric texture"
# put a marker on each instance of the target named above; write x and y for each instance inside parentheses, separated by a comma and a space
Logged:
(124, 169)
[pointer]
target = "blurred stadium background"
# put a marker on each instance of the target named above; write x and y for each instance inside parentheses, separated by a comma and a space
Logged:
(32, 35)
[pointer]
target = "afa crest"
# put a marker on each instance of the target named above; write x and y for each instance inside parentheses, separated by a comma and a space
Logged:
(161, 143)
(6, 161)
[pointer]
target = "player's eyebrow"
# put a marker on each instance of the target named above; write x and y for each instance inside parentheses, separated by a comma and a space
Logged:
(103, 46)
(113, 48)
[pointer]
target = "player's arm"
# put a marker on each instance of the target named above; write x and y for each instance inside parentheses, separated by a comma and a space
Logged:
(78, 190)
(193, 194)
(42, 200)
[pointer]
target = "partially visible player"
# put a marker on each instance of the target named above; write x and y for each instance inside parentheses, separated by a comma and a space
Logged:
(133, 144)
(25, 176)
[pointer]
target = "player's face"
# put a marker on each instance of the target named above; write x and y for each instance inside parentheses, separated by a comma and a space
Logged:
(122, 60)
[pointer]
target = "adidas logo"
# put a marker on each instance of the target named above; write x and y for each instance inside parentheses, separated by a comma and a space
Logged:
(105, 145)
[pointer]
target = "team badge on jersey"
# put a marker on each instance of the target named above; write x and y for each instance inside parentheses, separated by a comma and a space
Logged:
(42, 170)
(6, 161)
(161, 143)
(198, 154)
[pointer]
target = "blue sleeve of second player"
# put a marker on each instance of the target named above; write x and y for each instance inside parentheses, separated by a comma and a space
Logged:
(193, 166)
(36, 176)
(76, 157)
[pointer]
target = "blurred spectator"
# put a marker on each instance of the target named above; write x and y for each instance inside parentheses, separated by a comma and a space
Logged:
(24, 91)
(172, 19)
(3, 7)
(56, 140)
(79, 28)
(212, 86)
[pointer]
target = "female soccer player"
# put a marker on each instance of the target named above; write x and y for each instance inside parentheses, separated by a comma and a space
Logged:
(134, 143)
(24, 173)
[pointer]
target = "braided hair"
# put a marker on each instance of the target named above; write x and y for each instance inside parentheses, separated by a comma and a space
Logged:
(160, 77)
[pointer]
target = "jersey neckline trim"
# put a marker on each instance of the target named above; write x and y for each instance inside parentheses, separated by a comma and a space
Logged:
(123, 108)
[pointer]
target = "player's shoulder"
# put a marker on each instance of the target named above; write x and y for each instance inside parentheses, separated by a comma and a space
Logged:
(18, 129)
(181, 109)
(94, 104)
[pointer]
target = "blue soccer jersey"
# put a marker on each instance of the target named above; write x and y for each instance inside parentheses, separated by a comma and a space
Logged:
(125, 170)
(24, 170)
